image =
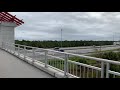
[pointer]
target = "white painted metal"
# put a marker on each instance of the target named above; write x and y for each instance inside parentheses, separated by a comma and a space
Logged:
(83, 69)
(24, 52)
(18, 50)
(107, 68)
(33, 50)
(46, 52)
(102, 69)
(66, 65)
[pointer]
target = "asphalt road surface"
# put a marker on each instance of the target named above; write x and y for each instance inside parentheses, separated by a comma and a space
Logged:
(90, 49)
(75, 50)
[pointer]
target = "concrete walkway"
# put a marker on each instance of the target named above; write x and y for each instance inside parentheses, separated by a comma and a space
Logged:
(12, 67)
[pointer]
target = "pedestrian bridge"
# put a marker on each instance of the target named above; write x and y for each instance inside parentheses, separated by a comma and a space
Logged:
(13, 67)
(20, 61)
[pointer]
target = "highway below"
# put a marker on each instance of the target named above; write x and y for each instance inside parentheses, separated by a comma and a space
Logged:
(89, 49)
(76, 50)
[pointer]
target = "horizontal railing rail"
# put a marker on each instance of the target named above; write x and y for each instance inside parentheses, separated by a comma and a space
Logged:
(62, 61)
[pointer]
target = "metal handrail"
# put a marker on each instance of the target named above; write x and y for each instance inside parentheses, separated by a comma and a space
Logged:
(83, 56)
(68, 62)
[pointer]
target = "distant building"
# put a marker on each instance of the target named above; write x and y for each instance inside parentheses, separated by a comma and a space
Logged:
(116, 43)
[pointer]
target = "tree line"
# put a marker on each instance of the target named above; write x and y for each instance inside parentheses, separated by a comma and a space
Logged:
(52, 44)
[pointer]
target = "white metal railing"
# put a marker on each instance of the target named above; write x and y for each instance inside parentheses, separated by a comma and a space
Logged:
(61, 61)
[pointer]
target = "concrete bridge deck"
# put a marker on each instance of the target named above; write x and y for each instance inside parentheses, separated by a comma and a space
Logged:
(12, 67)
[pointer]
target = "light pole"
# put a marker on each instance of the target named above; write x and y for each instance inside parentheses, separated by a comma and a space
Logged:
(61, 38)
(113, 37)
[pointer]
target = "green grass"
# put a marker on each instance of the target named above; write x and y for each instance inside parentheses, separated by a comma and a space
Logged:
(83, 60)
(110, 55)
(60, 65)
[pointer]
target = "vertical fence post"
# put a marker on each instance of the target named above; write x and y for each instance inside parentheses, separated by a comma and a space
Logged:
(24, 52)
(102, 69)
(2, 45)
(107, 69)
(10, 48)
(100, 48)
(18, 50)
(46, 58)
(33, 50)
(66, 66)
(6, 46)
(14, 47)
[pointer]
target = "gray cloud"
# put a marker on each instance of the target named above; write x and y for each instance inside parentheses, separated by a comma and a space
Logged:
(75, 25)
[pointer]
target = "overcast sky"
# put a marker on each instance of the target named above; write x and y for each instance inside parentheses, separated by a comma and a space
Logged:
(75, 25)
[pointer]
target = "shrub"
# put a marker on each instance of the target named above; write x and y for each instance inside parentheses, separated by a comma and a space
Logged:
(110, 56)
(78, 59)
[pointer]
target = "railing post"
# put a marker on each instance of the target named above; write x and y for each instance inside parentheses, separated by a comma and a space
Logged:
(14, 47)
(102, 69)
(6, 47)
(46, 58)
(24, 52)
(2, 45)
(66, 66)
(18, 50)
(107, 69)
(33, 50)
(9, 48)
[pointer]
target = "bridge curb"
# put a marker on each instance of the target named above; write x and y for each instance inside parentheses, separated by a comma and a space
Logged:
(40, 65)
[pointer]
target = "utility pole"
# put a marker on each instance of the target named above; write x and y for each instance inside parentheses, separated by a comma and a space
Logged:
(61, 38)
(119, 38)
(113, 37)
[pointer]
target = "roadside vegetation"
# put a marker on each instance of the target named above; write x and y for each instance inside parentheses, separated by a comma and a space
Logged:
(52, 44)
(110, 55)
